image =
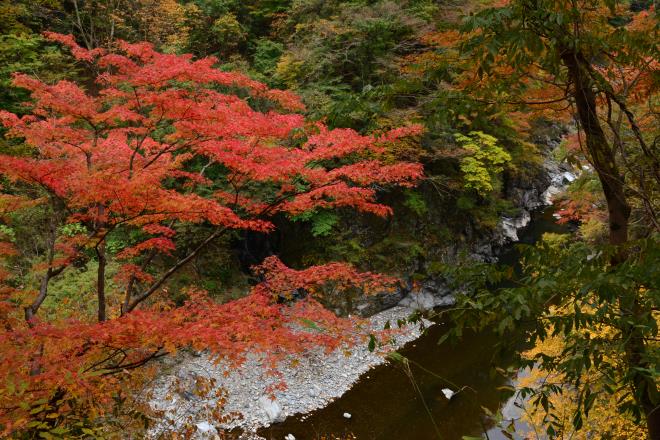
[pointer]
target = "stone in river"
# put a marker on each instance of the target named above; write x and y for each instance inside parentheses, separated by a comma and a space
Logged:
(448, 393)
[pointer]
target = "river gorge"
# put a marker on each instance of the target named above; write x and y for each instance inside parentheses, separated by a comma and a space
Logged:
(357, 392)
(393, 403)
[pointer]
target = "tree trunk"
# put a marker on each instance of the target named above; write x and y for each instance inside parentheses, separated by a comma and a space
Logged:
(604, 162)
(100, 280)
(31, 310)
(602, 155)
(100, 274)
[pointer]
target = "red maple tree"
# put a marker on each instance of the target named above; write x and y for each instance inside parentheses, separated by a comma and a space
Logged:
(121, 156)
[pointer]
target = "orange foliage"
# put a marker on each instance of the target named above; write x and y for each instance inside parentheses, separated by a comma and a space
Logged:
(107, 157)
(103, 150)
(89, 360)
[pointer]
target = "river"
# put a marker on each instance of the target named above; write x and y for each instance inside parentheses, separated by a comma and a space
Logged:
(391, 403)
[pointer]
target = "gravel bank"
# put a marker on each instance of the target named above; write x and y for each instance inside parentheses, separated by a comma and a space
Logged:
(312, 382)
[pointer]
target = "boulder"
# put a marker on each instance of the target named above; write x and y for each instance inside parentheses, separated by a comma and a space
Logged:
(272, 409)
(423, 300)
(206, 431)
(448, 393)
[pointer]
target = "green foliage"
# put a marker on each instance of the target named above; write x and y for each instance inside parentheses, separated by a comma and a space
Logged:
(266, 55)
(569, 289)
(415, 202)
(426, 10)
(71, 229)
(228, 32)
(73, 293)
(343, 54)
(399, 252)
(594, 231)
(7, 233)
(21, 16)
(230, 27)
(27, 53)
(465, 202)
(322, 222)
(484, 161)
(49, 424)
(27, 231)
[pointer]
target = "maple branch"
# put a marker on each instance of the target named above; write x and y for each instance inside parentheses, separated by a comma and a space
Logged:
(174, 147)
(130, 366)
(107, 358)
(102, 261)
(609, 92)
(182, 262)
(31, 310)
(139, 144)
(638, 134)
(642, 193)
(133, 279)
(550, 101)
(172, 270)
(210, 162)
(80, 26)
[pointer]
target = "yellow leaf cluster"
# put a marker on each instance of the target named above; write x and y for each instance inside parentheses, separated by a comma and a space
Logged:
(604, 421)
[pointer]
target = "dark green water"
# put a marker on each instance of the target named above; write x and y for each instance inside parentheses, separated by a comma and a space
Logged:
(385, 405)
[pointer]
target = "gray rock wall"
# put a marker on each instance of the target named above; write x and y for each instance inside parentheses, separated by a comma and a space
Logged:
(527, 196)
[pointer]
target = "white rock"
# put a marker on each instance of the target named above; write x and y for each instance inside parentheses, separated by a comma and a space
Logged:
(347, 415)
(272, 409)
(421, 300)
(448, 393)
(448, 300)
(289, 437)
(328, 375)
(510, 226)
(206, 431)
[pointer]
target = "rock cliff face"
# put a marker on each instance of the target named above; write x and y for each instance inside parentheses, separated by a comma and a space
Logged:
(526, 195)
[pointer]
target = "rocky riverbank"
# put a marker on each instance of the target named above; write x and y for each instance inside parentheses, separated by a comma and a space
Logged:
(311, 381)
